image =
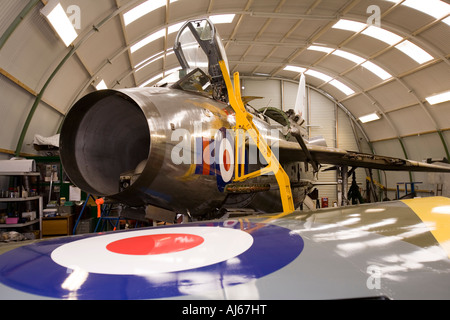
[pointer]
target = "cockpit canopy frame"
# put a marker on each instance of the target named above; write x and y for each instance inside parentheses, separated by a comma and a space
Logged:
(198, 45)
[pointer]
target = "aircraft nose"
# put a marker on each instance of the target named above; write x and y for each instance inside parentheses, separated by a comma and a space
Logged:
(104, 135)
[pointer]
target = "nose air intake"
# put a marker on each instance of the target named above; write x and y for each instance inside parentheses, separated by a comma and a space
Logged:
(104, 135)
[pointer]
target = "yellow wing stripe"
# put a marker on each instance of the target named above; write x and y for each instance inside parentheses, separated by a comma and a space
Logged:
(435, 213)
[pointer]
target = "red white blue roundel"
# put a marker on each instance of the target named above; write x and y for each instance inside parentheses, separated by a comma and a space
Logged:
(150, 263)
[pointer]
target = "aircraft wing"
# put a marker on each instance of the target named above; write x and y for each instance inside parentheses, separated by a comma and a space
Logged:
(291, 151)
(392, 250)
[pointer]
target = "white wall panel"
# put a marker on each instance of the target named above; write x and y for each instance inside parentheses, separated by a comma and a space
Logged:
(15, 104)
(269, 89)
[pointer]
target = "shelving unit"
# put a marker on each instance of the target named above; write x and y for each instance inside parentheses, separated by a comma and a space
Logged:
(40, 208)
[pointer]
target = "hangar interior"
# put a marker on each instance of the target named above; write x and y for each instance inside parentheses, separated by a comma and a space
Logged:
(388, 59)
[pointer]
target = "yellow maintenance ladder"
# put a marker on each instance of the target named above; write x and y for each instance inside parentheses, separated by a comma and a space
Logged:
(244, 123)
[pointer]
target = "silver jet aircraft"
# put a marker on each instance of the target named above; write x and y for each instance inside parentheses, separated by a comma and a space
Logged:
(173, 149)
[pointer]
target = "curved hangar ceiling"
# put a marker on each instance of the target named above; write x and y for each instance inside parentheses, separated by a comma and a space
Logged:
(386, 59)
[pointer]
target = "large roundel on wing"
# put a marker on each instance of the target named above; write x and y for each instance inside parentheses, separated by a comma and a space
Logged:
(151, 263)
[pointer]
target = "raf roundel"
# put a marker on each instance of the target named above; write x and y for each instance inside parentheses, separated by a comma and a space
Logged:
(150, 263)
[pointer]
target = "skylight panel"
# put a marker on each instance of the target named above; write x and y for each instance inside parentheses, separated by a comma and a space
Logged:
(349, 56)
(58, 19)
(154, 36)
(414, 52)
(143, 9)
(222, 18)
(101, 85)
(319, 75)
(382, 35)
(321, 49)
(145, 61)
(435, 8)
(159, 76)
(342, 87)
(447, 21)
(175, 28)
(295, 69)
(149, 62)
(370, 117)
(439, 98)
(380, 72)
(349, 25)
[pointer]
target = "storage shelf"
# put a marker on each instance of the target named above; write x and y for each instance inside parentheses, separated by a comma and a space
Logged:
(10, 200)
(35, 174)
(18, 199)
(19, 225)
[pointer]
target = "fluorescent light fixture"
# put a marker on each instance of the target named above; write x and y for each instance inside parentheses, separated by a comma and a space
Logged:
(435, 8)
(382, 35)
(414, 52)
(380, 72)
(439, 98)
(222, 18)
(319, 75)
(101, 85)
(342, 87)
(58, 19)
(349, 25)
(370, 117)
(295, 69)
(321, 49)
(143, 9)
(349, 56)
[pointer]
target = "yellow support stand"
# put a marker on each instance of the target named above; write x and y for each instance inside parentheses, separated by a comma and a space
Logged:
(244, 123)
